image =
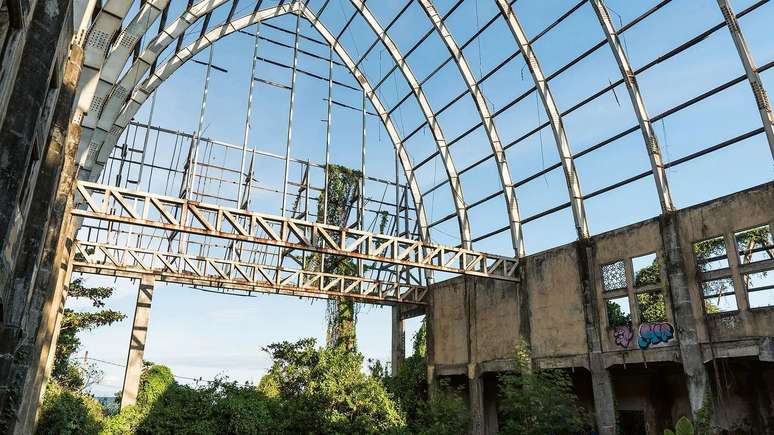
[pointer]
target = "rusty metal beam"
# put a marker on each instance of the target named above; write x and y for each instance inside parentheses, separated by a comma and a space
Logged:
(108, 203)
(761, 99)
(112, 260)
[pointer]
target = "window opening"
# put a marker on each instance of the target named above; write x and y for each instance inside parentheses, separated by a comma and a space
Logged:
(647, 271)
(755, 244)
(760, 288)
(719, 295)
(614, 276)
(711, 254)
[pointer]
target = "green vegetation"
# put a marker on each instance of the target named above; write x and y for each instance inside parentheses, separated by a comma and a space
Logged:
(343, 191)
(648, 275)
(652, 307)
(683, 427)
(66, 412)
(65, 372)
(616, 316)
(538, 402)
(308, 389)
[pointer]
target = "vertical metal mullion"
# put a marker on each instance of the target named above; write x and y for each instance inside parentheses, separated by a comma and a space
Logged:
(249, 113)
(145, 141)
(361, 202)
(328, 127)
(194, 153)
(396, 228)
(290, 115)
(328, 133)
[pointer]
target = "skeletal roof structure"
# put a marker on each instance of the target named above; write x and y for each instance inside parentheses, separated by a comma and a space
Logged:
(625, 101)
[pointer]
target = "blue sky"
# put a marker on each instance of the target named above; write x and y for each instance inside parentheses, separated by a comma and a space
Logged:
(204, 334)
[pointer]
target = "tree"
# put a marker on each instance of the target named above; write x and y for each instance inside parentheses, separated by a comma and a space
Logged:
(325, 389)
(652, 307)
(65, 371)
(648, 275)
(445, 413)
(538, 402)
(615, 315)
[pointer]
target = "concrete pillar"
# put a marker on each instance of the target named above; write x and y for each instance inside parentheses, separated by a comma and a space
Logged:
(42, 272)
(134, 360)
(604, 397)
(696, 376)
(25, 120)
(398, 340)
(476, 404)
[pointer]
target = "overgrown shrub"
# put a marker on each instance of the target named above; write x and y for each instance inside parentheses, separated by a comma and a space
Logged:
(326, 389)
(67, 412)
(538, 402)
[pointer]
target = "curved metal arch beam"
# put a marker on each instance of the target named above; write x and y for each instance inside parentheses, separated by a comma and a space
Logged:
(95, 134)
(761, 99)
(488, 122)
(646, 127)
(96, 48)
(554, 117)
(143, 91)
(119, 54)
(424, 104)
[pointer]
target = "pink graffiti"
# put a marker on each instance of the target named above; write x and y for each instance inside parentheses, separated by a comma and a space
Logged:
(655, 333)
(623, 335)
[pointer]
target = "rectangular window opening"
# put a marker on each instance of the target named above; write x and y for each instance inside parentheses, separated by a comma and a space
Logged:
(652, 307)
(614, 276)
(755, 244)
(618, 312)
(719, 296)
(711, 254)
(760, 288)
(647, 271)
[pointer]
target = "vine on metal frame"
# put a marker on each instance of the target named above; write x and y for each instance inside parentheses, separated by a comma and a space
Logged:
(342, 193)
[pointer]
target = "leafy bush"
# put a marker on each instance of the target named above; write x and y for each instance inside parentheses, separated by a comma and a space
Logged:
(155, 383)
(683, 427)
(67, 412)
(326, 389)
(538, 402)
(444, 413)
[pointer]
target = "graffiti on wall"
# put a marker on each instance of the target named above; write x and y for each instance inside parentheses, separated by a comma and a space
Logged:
(655, 333)
(623, 335)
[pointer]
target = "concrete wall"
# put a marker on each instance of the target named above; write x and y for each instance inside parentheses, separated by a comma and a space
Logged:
(39, 72)
(476, 323)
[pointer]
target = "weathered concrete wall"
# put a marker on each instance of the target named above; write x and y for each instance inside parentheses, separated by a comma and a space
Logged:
(553, 285)
(40, 74)
(476, 324)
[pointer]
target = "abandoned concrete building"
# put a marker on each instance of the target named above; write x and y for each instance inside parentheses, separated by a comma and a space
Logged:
(593, 178)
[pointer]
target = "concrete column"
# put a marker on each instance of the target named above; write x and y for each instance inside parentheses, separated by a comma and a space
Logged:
(23, 121)
(398, 340)
(476, 404)
(604, 397)
(696, 376)
(134, 361)
(42, 287)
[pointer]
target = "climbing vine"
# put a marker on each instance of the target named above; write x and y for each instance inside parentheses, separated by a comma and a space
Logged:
(342, 193)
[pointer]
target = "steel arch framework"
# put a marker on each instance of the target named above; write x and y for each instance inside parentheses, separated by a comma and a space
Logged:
(102, 94)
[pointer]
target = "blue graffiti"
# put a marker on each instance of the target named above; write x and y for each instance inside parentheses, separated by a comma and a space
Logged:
(655, 333)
